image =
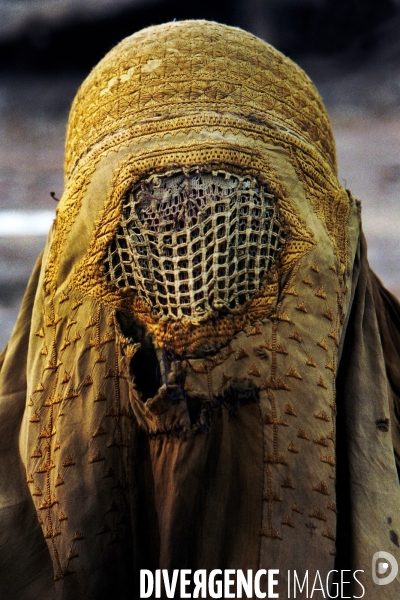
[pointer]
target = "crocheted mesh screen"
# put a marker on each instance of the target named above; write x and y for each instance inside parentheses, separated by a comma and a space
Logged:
(191, 243)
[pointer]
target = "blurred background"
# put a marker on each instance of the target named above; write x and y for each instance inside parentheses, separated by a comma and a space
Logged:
(350, 48)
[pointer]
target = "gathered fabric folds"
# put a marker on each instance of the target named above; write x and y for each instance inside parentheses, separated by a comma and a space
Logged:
(204, 373)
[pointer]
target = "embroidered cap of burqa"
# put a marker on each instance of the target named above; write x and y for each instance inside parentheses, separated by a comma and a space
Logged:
(199, 342)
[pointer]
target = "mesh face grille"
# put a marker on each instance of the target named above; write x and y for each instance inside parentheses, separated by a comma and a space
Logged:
(189, 244)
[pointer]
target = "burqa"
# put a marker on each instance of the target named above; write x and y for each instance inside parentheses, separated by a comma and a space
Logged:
(204, 373)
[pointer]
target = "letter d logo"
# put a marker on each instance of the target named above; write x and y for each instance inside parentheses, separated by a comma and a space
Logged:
(380, 568)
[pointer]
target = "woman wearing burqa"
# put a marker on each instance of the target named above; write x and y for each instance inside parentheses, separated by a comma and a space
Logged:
(204, 371)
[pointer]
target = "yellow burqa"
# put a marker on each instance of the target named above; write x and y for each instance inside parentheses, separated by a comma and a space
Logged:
(232, 410)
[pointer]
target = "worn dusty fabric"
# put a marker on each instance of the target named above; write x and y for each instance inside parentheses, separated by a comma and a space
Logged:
(368, 425)
(256, 432)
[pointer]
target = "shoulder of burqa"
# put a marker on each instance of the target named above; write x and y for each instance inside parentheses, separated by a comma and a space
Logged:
(204, 372)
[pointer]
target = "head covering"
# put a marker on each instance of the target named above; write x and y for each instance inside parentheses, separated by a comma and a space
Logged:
(175, 363)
